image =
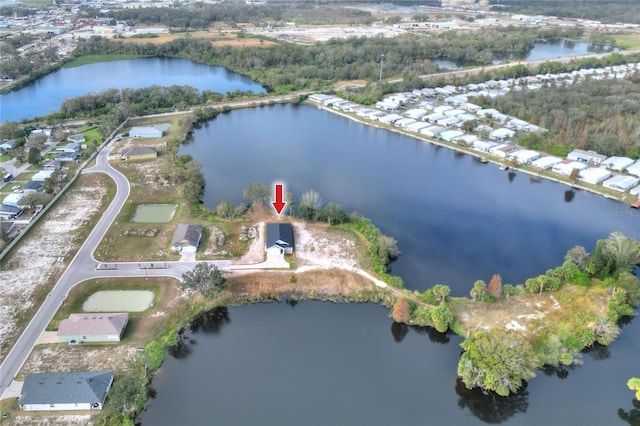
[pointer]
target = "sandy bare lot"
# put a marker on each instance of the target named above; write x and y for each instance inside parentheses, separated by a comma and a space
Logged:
(52, 420)
(36, 261)
(312, 35)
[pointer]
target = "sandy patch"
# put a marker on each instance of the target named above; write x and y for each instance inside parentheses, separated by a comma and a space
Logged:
(35, 262)
(63, 357)
(52, 420)
(244, 42)
(255, 253)
(324, 249)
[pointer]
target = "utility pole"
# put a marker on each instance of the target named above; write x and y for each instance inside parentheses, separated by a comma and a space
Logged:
(381, 60)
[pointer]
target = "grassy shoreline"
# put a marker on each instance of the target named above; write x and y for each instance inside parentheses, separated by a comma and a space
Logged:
(94, 59)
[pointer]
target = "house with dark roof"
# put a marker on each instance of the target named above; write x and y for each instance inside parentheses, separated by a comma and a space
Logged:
(279, 237)
(8, 211)
(186, 238)
(141, 153)
(33, 186)
(79, 328)
(83, 390)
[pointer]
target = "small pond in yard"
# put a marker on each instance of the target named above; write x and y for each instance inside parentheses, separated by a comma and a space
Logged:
(154, 213)
(119, 301)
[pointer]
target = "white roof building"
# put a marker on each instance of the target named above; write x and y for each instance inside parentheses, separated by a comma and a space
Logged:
(450, 135)
(484, 146)
(453, 112)
(417, 126)
(404, 122)
(635, 191)
(594, 175)
(416, 113)
(617, 163)
(42, 175)
(620, 183)
(586, 156)
(442, 108)
(524, 156)
(546, 162)
(432, 118)
(566, 167)
(634, 169)
(13, 199)
(466, 139)
(448, 121)
(432, 131)
(390, 118)
(502, 133)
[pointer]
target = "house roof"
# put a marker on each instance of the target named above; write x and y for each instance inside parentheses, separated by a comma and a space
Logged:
(66, 387)
(42, 175)
(186, 235)
(143, 150)
(93, 324)
(8, 209)
(33, 184)
(279, 234)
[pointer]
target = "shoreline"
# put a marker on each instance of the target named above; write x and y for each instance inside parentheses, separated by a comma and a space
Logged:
(476, 154)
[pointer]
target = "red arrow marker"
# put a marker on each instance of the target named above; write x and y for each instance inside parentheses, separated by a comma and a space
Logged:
(278, 204)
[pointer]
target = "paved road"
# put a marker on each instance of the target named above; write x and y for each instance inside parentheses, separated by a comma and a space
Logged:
(82, 267)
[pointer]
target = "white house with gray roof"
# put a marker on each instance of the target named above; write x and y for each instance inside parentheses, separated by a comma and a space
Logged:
(83, 390)
(95, 327)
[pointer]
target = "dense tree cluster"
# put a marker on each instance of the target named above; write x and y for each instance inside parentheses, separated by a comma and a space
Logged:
(609, 11)
(205, 279)
(201, 16)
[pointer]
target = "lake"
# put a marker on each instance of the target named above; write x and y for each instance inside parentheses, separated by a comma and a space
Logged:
(542, 51)
(456, 220)
(45, 95)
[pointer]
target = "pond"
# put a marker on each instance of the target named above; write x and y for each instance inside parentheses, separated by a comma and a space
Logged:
(46, 94)
(119, 301)
(154, 213)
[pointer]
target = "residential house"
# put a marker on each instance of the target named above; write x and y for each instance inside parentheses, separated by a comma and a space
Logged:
(524, 156)
(586, 156)
(502, 134)
(186, 238)
(390, 118)
(483, 146)
(7, 144)
(617, 163)
(546, 162)
(33, 186)
(594, 175)
(42, 175)
(566, 167)
(8, 211)
(155, 131)
(56, 391)
(13, 199)
(97, 327)
(503, 150)
(70, 147)
(66, 156)
(450, 135)
(279, 236)
(634, 169)
(432, 131)
(620, 183)
(140, 153)
(78, 138)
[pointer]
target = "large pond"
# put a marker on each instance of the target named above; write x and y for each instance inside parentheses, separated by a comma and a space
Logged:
(45, 95)
(456, 220)
(330, 364)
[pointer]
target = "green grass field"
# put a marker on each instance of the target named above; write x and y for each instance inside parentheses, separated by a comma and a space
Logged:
(91, 135)
(628, 41)
(92, 59)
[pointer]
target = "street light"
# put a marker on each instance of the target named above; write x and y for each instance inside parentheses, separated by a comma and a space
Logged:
(381, 59)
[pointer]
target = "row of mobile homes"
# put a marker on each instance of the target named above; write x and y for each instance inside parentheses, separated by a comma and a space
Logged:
(620, 183)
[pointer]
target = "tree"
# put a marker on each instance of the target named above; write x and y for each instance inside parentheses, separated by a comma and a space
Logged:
(478, 290)
(495, 286)
(441, 291)
(34, 156)
(256, 193)
(224, 209)
(204, 278)
(124, 395)
(634, 384)
(309, 205)
(623, 252)
(499, 361)
(333, 214)
(54, 183)
(577, 255)
(442, 318)
(401, 311)
(33, 199)
(574, 175)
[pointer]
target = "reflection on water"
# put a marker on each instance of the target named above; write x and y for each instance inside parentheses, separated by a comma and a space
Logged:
(489, 407)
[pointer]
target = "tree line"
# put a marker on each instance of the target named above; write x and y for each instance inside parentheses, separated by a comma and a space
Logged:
(609, 11)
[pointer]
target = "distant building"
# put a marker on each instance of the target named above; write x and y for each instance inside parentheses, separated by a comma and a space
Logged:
(618, 163)
(155, 131)
(65, 391)
(77, 138)
(279, 237)
(79, 328)
(186, 238)
(8, 144)
(620, 183)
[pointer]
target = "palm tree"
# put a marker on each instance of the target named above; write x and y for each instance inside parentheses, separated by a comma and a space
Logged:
(624, 252)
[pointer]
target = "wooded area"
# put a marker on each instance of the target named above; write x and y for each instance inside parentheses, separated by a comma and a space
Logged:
(606, 11)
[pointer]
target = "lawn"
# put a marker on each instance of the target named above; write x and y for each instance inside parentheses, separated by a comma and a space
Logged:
(628, 41)
(92, 135)
(92, 59)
